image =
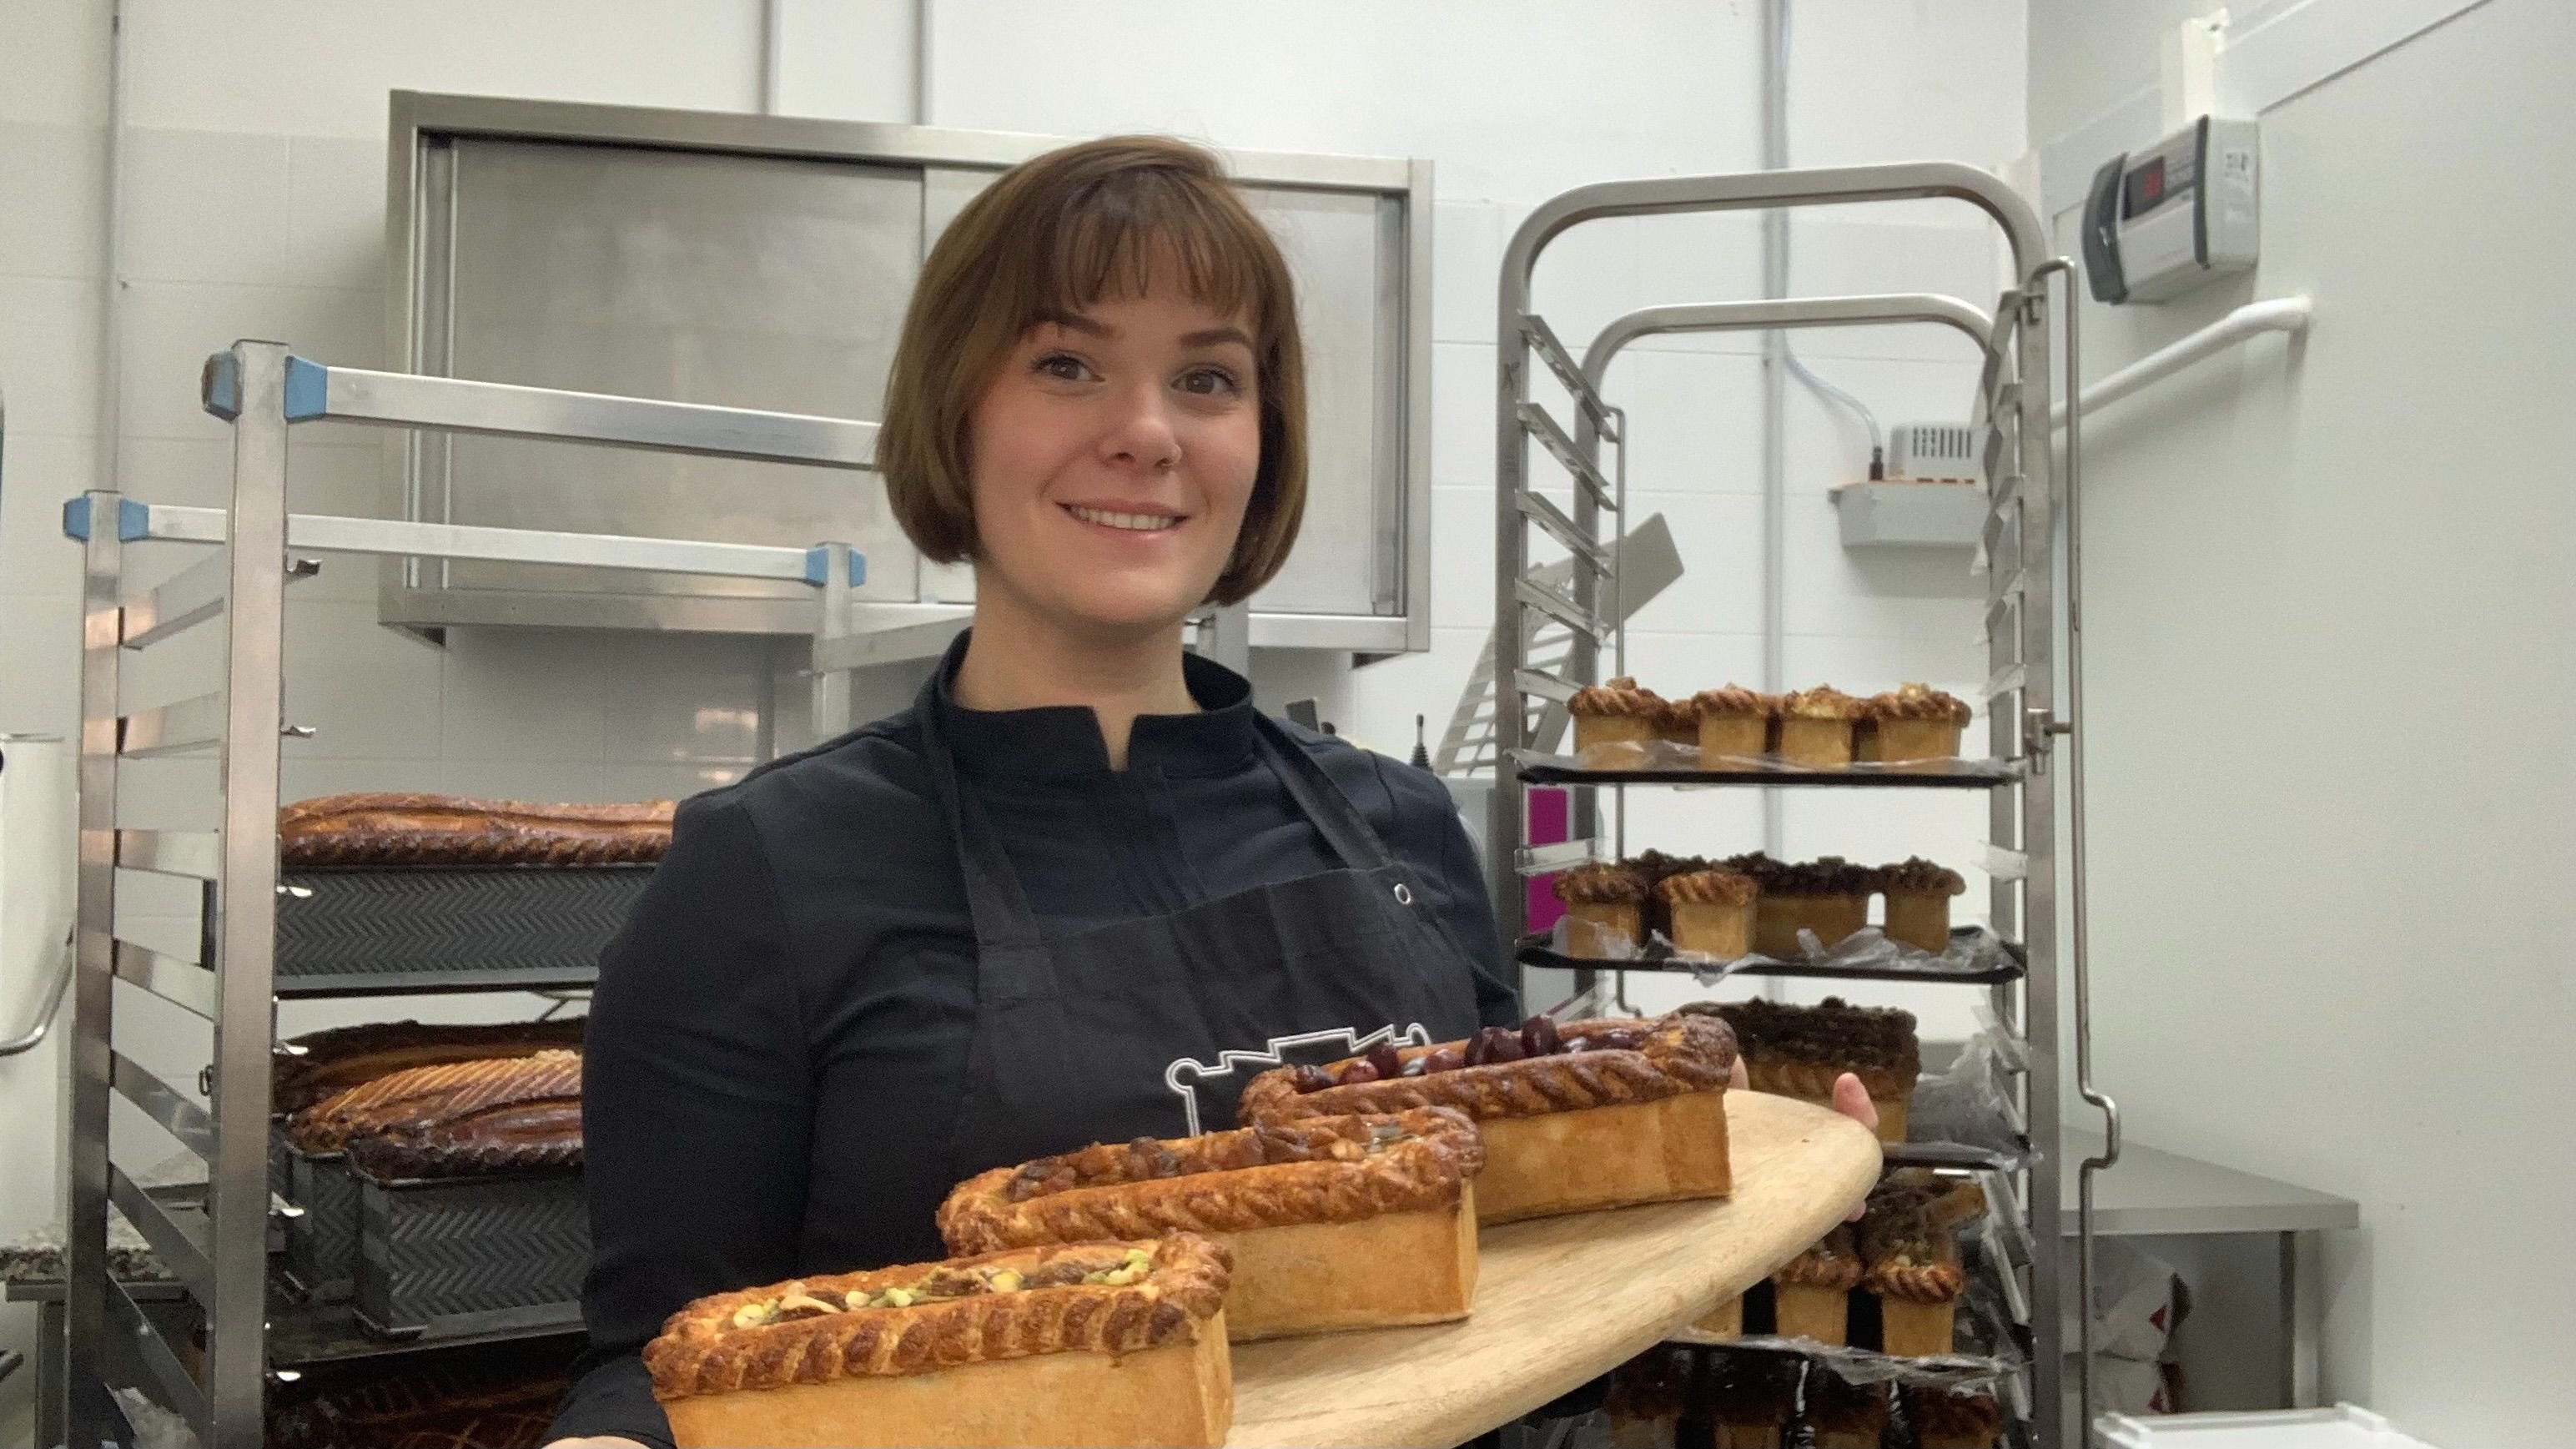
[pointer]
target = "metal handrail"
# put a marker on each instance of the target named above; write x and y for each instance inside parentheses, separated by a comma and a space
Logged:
(2277, 314)
(34, 1035)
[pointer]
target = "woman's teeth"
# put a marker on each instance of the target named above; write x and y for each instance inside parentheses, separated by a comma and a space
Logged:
(1139, 522)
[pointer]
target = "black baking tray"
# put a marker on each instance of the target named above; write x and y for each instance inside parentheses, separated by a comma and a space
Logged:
(322, 1235)
(455, 1256)
(363, 931)
(1538, 950)
(1538, 769)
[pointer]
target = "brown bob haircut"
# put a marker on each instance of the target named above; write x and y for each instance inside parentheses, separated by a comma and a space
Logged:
(1050, 237)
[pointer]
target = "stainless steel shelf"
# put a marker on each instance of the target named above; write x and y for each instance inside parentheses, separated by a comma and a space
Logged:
(1551, 769)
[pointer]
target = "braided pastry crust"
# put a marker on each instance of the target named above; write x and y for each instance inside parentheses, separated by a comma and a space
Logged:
(1919, 701)
(1822, 702)
(1708, 888)
(325, 1063)
(1677, 1054)
(1832, 1263)
(701, 1351)
(411, 829)
(534, 1136)
(1734, 700)
(1621, 697)
(1601, 883)
(423, 1095)
(1316, 1170)
(1905, 1255)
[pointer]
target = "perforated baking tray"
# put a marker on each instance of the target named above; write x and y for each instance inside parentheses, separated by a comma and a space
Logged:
(448, 928)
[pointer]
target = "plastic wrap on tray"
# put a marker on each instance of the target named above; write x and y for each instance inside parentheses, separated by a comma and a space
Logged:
(1971, 1103)
(1973, 952)
(1674, 755)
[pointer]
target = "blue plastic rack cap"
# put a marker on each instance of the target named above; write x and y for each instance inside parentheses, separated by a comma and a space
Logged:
(133, 520)
(818, 564)
(308, 390)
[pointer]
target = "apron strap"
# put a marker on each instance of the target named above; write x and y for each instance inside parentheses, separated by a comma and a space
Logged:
(1333, 814)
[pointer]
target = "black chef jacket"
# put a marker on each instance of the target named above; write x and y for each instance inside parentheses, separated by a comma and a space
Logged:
(781, 940)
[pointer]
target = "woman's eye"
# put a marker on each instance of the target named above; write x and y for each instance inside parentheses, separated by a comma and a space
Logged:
(1209, 381)
(1062, 366)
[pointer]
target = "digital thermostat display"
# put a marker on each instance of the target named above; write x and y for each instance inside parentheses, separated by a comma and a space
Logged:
(2146, 187)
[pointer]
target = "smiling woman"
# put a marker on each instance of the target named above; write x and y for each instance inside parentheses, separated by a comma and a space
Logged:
(978, 932)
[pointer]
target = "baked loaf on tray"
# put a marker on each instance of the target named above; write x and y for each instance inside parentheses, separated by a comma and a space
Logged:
(1590, 1114)
(1332, 1222)
(503, 1095)
(401, 830)
(1088, 1343)
(1798, 1051)
(323, 1063)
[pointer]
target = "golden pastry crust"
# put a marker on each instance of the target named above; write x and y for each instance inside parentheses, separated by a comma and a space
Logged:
(321, 1063)
(1708, 888)
(1905, 1255)
(1734, 701)
(1601, 884)
(1822, 702)
(1832, 1263)
(1316, 1170)
(1616, 698)
(1919, 701)
(421, 1096)
(1674, 1055)
(1816, 1080)
(412, 829)
(701, 1349)
(542, 1135)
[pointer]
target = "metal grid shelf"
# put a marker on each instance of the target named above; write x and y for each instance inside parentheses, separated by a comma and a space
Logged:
(264, 933)
(1551, 769)
(1537, 950)
(1549, 644)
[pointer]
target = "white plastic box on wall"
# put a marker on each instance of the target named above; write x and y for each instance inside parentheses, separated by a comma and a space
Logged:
(2341, 1427)
(1910, 515)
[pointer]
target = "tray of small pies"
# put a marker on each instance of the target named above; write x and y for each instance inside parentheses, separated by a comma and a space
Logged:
(433, 1177)
(1885, 1334)
(1761, 917)
(1407, 1246)
(1625, 734)
(389, 893)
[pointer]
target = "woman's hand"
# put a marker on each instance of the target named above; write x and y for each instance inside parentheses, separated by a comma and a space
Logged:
(1850, 1098)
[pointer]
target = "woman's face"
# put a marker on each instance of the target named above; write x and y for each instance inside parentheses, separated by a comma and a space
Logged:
(1112, 459)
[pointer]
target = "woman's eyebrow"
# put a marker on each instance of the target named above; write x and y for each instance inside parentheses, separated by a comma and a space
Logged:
(1073, 322)
(1215, 336)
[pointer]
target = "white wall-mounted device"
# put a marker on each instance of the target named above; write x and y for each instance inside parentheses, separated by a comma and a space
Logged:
(2161, 221)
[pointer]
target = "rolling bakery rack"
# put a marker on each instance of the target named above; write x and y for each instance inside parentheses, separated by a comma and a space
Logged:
(2035, 762)
(214, 1237)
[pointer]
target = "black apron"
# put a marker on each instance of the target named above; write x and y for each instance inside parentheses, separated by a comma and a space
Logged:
(1074, 1035)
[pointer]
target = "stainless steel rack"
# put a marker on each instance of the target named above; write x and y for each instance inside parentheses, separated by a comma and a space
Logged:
(214, 1237)
(2025, 487)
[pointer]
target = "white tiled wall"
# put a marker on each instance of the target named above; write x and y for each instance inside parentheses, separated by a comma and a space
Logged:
(254, 206)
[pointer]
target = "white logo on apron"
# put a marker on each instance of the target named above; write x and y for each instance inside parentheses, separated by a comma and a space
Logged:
(1185, 1075)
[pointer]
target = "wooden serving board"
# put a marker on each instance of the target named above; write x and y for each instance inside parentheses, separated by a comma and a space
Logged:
(1561, 1301)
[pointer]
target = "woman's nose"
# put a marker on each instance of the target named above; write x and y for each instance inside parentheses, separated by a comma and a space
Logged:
(1141, 435)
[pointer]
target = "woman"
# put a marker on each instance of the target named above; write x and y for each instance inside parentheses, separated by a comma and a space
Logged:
(980, 931)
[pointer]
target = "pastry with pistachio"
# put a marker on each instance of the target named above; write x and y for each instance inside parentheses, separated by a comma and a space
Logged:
(1089, 1343)
(1605, 908)
(1734, 723)
(1711, 912)
(1815, 727)
(1615, 721)
(1909, 1251)
(1365, 1221)
(1911, 722)
(1575, 1115)
(1811, 1294)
